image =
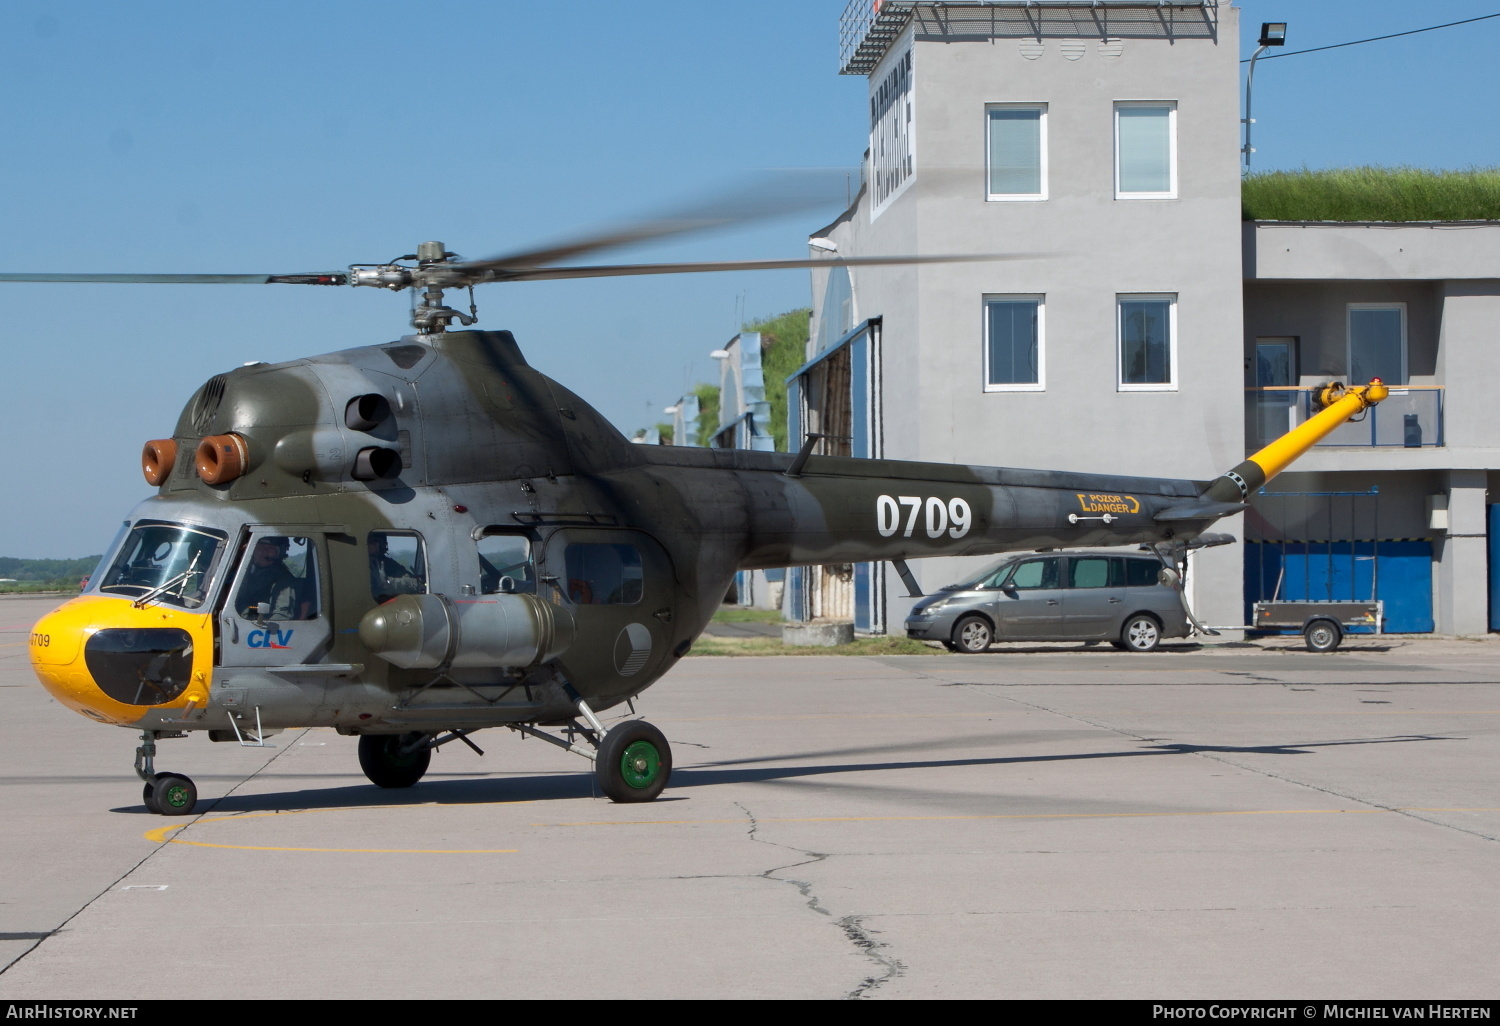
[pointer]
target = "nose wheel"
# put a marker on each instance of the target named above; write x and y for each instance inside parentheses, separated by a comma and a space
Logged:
(170, 794)
(166, 794)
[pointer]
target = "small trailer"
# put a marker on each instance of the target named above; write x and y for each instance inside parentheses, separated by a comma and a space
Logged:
(1323, 623)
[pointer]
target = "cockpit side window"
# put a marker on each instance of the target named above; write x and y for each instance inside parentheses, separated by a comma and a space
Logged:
(170, 562)
(604, 574)
(398, 564)
(505, 564)
(280, 574)
(101, 569)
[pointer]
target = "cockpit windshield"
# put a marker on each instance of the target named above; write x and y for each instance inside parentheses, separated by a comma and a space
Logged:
(169, 562)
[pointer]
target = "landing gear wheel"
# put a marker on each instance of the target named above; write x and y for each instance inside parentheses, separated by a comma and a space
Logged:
(172, 794)
(972, 634)
(148, 795)
(1322, 636)
(634, 762)
(384, 762)
(1141, 633)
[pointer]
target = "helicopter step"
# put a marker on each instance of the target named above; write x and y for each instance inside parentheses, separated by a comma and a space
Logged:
(166, 794)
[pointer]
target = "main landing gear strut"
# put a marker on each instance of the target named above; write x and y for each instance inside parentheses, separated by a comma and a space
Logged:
(167, 794)
(632, 760)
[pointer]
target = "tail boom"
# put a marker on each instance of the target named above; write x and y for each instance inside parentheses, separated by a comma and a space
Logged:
(1339, 404)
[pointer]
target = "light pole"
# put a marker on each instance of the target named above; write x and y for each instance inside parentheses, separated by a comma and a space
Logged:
(1272, 33)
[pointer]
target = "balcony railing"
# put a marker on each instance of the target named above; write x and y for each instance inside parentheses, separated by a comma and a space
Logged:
(1411, 417)
(866, 28)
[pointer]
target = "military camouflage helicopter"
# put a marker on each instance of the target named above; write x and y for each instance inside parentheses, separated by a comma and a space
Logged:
(414, 541)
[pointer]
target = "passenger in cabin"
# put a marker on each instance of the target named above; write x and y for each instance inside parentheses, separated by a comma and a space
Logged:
(390, 577)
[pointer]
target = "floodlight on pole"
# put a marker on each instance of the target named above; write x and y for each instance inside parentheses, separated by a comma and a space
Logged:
(1272, 33)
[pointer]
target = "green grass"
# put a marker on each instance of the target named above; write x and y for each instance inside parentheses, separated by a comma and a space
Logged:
(1372, 194)
(737, 615)
(69, 587)
(783, 341)
(879, 646)
(708, 412)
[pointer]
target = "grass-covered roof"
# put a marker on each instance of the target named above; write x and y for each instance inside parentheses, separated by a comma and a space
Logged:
(1372, 194)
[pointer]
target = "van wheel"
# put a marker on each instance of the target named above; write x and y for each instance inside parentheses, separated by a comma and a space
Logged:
(1322, 636)
(972, 634)
(1141, 633)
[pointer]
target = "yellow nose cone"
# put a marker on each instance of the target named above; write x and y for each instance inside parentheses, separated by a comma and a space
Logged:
(104, 658)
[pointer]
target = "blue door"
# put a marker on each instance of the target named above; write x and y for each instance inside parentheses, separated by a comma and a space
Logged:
(1399, 571)
(1493, 542)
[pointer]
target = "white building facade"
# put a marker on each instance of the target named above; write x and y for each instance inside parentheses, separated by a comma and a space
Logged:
(1141, 327)
(1097, 143)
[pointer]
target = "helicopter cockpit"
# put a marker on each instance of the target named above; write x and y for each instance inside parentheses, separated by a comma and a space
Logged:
(162, 561)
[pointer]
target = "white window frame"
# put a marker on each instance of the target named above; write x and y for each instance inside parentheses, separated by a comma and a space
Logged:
(1014, 197)
(1170, 385)
(1349, 341)
(1171, 106)
(1041, 340)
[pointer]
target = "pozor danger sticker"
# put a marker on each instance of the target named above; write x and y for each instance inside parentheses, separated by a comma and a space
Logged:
(938, 516)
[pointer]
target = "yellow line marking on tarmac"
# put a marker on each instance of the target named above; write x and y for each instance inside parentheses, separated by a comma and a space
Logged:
(1017, 815)
(159, 835)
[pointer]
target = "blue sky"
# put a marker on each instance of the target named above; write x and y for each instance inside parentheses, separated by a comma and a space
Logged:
(283, 137)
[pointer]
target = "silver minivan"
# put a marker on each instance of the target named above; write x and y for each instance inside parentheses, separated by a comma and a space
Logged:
(1053, 596)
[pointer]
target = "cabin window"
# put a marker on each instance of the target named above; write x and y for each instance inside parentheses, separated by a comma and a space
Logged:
(398, 565)
(281, 574)
(604, 574)
(505, 565)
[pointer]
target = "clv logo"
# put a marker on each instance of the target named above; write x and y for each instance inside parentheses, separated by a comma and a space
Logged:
(269, 639)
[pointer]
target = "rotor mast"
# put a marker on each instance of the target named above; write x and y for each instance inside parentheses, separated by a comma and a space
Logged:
(435, 272)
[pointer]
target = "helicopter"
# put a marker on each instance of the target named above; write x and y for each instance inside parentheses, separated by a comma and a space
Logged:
(413, 541)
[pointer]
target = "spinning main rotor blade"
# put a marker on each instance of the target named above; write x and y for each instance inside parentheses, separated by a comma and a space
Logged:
(337, 278)
(761, 199)
(617, 270)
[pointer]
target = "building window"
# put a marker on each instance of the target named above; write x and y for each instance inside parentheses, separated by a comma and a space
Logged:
(1146, 150)
(1377, 343)
(1148, 343)
(1017, 151)
(1013, 344)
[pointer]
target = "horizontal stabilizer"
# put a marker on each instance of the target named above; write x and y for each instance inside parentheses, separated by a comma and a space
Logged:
(1201, 509)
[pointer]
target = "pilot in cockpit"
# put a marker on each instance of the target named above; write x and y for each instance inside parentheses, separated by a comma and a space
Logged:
(269, 581)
